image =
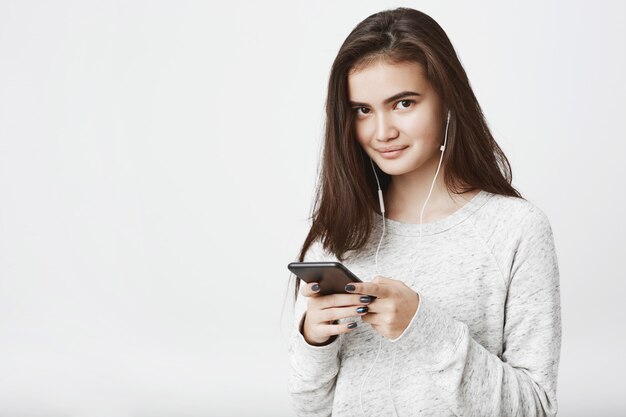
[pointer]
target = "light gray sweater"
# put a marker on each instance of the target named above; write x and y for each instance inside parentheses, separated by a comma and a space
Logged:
(485, 340)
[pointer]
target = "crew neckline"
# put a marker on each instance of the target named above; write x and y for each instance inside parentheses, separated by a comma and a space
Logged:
(413, 229)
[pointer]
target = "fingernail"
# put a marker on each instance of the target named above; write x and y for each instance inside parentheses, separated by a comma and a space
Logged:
(363, 309)
(365, 299)
(315, 287)
(352, 325)
(350, 287)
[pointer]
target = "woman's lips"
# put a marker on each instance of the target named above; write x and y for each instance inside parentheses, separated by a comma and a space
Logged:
(392, 154)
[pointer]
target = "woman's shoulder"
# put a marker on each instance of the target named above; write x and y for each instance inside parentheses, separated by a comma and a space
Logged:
(516, 231)
(513, 208)
(514, 215)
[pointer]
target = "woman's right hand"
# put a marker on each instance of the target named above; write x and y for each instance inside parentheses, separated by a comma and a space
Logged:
(324, 311)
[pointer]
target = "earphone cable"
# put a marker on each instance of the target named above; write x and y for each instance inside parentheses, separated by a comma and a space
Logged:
(382, 209)
(367, 374)
(382, 212)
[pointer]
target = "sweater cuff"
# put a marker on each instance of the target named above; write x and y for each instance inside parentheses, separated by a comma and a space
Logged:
(311, 357)
(432, 335)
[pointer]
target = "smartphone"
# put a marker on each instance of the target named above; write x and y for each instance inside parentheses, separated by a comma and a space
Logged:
(332, 276)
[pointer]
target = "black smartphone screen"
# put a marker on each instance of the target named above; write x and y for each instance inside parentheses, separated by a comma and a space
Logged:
(332, 276)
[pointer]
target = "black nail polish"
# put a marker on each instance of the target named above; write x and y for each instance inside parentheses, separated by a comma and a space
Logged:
(352, 325)
(363, 309)
(365, 299)
(315, 287)
(350, 287)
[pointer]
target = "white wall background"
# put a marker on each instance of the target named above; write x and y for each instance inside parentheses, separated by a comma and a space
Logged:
(157, 165)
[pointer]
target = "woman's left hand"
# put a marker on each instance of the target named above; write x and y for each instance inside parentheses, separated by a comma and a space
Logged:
(394, 307)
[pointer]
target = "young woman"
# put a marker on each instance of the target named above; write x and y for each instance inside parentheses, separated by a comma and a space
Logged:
(466, 319)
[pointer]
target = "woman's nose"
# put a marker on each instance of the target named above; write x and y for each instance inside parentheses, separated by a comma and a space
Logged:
(385, 128)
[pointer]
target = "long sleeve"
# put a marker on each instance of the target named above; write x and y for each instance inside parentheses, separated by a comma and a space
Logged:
(476, 382)
(312, 369)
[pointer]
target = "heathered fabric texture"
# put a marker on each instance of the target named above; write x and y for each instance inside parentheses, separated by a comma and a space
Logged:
(485, 340)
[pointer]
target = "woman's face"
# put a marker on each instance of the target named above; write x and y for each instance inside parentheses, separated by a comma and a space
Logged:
(399, 118)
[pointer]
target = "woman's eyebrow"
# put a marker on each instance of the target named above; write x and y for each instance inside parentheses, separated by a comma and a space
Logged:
(390, 99)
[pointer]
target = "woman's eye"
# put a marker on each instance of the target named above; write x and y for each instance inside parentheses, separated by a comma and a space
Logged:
(406, 103)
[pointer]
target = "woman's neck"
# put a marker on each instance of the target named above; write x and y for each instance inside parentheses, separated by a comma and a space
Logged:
(406, 195)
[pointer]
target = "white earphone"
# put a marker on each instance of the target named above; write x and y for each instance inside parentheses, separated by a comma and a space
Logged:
(382, 211)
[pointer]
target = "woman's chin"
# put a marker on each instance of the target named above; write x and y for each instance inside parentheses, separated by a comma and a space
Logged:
(394, 167)
(395, 170)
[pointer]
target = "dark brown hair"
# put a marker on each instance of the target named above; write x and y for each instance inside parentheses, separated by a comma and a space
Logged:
(473, 160)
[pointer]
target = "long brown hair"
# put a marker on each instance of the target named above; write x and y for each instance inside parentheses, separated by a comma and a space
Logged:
(346, 186)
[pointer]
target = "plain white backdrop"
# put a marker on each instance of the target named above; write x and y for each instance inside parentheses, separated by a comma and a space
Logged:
(157, 167)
